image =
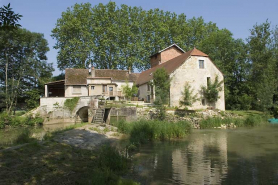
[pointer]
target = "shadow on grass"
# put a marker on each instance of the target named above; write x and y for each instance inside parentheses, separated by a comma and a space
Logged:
(53, 162)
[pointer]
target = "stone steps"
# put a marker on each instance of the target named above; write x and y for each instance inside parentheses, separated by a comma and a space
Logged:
(98, 118)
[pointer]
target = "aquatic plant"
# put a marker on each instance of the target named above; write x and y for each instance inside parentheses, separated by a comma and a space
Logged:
(249, 121)
(144, 131)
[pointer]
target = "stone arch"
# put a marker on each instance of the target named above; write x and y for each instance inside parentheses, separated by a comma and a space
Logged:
(82, 113)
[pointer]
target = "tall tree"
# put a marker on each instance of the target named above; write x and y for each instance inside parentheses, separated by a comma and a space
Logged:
(27, 67)
(263, 75)
(122, 37)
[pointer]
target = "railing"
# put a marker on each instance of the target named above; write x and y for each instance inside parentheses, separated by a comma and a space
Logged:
(112, 93)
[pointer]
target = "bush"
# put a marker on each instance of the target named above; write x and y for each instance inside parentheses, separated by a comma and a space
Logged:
(14, 121)
(252, 120)
(71, 103)
(111, 159)
(147, 130)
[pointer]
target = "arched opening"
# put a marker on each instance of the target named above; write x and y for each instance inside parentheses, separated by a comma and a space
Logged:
(82, 113)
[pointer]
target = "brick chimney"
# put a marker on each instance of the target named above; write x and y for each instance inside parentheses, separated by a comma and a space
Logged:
(93, 72)
(166, 55)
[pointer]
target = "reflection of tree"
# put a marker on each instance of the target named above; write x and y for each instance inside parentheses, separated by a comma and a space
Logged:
(215, 157)
(201, 159)
(204, 161)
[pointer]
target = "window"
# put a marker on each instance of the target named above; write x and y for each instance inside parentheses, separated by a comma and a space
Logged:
(201, 64)
(148, 98)
(76, 89)
(111, 89)
(104, 88)
(203, 102)
(208, 80)
(92, 87)
(148, 87)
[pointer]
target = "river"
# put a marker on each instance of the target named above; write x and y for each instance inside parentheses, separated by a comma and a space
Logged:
(232, 156)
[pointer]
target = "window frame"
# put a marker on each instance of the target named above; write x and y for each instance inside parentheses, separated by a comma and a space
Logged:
(203, 64)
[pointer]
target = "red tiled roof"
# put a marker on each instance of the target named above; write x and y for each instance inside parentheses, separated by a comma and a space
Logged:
(196, 52)
(169, 66)
(173, 45)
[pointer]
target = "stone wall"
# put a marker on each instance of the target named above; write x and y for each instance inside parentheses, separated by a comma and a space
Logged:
(130, 113)
(189, 72)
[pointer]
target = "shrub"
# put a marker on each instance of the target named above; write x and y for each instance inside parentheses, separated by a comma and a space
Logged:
(147, 130)
(71, 103)
(111, 159)
(188, 98)
(253, 121)
(14, 121)
(212, 90)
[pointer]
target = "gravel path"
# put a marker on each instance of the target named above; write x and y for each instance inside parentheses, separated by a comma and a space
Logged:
(89, 136)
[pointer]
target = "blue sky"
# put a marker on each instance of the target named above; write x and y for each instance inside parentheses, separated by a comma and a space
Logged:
(238, 16)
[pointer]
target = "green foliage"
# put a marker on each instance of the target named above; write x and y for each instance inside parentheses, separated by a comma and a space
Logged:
(110, 158)
(9, 19)
(24, 65)
(130, 91)
(211, 90)
(71, 103)
(123, 36)
(247, 121)
(14, 121)
(187, 96)
(264, 66)
(144, 131)
(161, 83)
(33, 98)
(161, 112)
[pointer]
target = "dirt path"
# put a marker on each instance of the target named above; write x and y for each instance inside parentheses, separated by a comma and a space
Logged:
(89, 136)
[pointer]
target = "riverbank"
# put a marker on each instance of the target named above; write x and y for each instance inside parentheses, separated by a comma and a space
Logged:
(72, 156)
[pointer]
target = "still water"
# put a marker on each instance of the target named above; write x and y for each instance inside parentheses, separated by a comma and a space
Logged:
(238, 156)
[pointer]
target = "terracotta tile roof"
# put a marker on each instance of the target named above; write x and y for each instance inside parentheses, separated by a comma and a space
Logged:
(76, 76)
(79, 76)
(170, 65)
(196, 52)
(173, 45)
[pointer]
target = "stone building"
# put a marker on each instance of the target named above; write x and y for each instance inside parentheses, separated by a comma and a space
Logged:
(93, 82)
(193, 67)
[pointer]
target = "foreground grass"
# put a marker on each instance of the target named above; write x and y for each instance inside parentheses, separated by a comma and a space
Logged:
(148, 130)
(56, 163)
(21, 135)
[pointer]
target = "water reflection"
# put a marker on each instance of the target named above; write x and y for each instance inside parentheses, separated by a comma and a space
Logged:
(242, 156)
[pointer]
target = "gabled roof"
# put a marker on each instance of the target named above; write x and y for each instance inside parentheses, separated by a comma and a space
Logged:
(76, 76)
(173, 45)
(55, 82)
(79, 76)
(169, 66)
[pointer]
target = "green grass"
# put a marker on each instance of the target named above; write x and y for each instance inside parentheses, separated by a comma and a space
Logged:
(56, 163)
(251, 120)
(246, 113)
(148, 130)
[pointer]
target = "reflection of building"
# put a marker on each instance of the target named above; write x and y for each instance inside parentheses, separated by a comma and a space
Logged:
(204, 161)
